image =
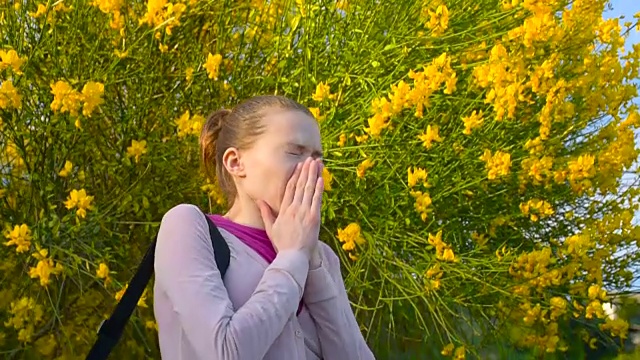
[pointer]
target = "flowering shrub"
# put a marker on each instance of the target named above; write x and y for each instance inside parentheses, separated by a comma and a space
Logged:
(481, 160)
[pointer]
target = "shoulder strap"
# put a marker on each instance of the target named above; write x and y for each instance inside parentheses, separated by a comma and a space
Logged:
(110, 330)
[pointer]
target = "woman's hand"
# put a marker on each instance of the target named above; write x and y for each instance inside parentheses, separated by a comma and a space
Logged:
(297, 226)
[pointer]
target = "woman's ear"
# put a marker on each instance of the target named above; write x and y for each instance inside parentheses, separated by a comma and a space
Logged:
(232, 162)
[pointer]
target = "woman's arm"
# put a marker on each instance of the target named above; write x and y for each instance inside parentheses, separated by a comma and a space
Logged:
(326, 299)
(185, 269)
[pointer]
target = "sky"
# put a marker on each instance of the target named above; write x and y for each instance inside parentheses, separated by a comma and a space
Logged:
(627, 8)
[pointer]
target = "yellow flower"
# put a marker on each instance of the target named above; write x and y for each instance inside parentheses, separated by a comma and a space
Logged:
(213, 65)
(323, 92)
(342, 5)
(342, 140)
(498, 164)
(189, 125)
(103, 271)
(9, 97)
(472, 121)
(448, 350)
(45, 267)
(137, 149)
(596, 292)
(79, 199)
(429, 136)
(327, 177)
(581, 168)
(25, 314)
(11, 59)
(351, 234)
(189, 74)
(422, 203)
(460, 353)
(438, 20)
(92, 96)
(141, 302)
(20, 236)
(617, 327)
(66, 170)
(415, 176)
(363, 167)
(214, 192)
(121, 54)
(65, 98)
(316, 113)
(151, 325)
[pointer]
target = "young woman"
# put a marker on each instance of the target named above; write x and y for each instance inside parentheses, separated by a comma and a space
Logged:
(283, 296)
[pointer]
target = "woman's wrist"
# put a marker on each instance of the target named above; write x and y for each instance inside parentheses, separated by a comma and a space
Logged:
(315, 261)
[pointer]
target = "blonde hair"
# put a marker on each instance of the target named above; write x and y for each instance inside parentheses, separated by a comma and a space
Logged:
(238, 127)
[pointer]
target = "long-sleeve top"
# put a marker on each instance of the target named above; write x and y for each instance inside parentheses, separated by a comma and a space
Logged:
(251, 313)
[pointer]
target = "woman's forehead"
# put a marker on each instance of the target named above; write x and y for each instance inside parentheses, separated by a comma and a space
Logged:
(293, 127)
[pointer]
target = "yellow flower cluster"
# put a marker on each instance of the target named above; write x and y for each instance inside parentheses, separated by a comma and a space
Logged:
(472, 121)
(323, 92)
(20, 237)
(327, 177)
(67, 99)
(458, 353)
(415, 176)
(103, 272)
(142, 302)
(536, 209)
(137, 149)
(436, 20)
(362, 168)
(163, 13)
(26, 314)
(66, 169)
(189, 125)
(539, 170)
(433, 278)
(422, 198)
(213, 65)
(113, 8)
(351, 236)
(45, 267)
(580, 172)
(80, 200)
(444, 251)
(425, 83)
(50, 11)
(11, 59)
(214, 192)
(9, 96)
(498, 164)
(316, 113)
(429, 136)
(536, 268)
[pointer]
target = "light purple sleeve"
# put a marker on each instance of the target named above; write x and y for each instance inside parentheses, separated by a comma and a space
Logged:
(185, 269)
(326, 299)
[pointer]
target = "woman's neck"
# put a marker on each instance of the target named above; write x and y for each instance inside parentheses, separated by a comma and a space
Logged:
(245, 212)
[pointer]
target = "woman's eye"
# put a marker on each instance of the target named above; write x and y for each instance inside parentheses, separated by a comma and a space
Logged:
(294, 153)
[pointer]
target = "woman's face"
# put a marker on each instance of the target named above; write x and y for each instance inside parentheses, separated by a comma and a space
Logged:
(289, 138)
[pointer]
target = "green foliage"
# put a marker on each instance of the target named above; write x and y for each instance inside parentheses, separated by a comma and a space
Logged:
(522, 216)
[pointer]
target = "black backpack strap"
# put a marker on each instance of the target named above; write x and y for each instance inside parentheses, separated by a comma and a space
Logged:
(111, 330)
(221, 250)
